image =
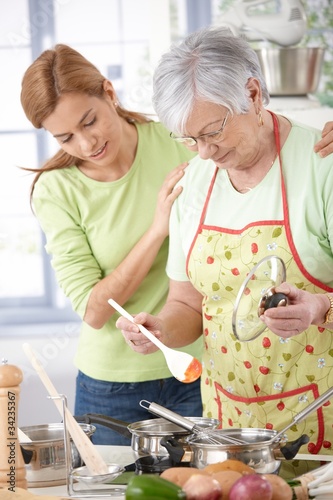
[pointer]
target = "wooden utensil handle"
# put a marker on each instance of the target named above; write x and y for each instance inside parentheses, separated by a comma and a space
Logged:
(87, 450)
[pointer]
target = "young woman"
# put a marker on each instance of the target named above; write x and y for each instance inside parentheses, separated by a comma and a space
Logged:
(103, 202)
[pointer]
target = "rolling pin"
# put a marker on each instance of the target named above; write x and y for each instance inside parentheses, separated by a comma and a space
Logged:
(12, 468)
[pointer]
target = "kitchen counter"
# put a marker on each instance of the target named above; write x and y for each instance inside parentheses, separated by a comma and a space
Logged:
(306, 109)
(122, 455)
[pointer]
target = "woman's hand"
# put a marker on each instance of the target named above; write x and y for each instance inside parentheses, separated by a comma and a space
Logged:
(303, 309)
(166, 196)
(178, 324)
(134, 338)
(325, 146)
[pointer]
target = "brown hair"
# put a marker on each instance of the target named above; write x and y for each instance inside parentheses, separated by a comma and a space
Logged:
(55, 72)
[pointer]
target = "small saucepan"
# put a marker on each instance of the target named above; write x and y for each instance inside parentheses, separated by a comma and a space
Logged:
(44, 455)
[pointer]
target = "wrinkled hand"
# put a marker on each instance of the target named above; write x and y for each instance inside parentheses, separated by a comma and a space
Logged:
(134, 338)
(303, 309)
(324, 147)
(166, 196)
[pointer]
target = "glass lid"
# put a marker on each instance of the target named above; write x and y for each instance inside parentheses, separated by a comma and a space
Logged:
(256, 295)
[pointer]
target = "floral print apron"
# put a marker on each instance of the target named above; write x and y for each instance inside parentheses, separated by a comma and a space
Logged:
(265, 382)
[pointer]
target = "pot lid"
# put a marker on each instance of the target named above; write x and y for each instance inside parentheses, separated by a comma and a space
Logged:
(254, 296)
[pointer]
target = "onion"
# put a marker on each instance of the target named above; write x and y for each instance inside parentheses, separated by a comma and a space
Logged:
(251, 487)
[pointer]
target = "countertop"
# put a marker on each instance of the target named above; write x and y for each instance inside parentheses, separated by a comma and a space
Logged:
(306, 109)
(122, 455)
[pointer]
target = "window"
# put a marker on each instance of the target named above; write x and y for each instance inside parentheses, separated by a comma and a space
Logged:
(124, 38)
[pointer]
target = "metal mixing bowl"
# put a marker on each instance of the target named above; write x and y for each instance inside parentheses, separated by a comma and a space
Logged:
(291, 70)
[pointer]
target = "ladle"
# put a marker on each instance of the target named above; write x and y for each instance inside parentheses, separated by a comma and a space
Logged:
(182, 365)
(83, 474)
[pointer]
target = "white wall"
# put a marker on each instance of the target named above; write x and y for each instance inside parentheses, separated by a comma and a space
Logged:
(55, 346)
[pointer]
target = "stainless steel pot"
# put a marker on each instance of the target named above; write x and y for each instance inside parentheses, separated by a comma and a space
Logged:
(45, 454)
(262, 449)
(291, 70)
(146, 435)
(260, 452)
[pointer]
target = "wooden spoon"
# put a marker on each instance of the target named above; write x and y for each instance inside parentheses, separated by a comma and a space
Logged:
(23, 438)
(86, 448)
(183, 366)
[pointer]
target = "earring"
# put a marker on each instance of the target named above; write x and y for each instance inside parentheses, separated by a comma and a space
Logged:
(260, 119)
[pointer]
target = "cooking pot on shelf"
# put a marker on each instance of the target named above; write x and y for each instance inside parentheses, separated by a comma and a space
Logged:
(44, 455)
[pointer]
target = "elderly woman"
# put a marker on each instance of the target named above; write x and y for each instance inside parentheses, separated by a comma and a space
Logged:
(255, 189)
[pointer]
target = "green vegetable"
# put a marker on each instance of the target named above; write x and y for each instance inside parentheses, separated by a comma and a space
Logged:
(150, 487)
(297, 488)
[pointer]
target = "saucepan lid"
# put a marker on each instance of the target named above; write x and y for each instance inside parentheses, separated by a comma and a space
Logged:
(257, 294)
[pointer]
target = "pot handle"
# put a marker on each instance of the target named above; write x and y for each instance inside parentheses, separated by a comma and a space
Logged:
(174, 448)
(27, 455)
(290, 450)
(112, 423)
(169, 415)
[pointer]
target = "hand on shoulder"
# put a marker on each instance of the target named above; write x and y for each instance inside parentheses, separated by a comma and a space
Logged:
(324, 147)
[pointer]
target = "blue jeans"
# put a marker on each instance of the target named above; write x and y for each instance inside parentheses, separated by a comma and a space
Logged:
(121, 401)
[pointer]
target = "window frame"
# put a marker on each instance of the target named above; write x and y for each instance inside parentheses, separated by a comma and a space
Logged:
(52, 307)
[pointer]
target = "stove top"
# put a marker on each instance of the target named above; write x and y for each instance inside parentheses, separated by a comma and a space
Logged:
(153, 465)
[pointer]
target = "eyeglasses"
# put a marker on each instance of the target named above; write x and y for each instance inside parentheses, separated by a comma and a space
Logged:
(208, 138)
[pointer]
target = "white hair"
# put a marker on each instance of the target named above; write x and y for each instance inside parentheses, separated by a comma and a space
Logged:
(212, 65)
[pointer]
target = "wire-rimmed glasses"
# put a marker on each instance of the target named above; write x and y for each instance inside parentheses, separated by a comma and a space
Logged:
(209, 138)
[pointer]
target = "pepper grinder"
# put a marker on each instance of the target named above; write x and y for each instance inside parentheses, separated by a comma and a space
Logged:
(12, 468)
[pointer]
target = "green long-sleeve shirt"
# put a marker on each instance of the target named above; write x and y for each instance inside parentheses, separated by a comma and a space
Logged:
(90, 226)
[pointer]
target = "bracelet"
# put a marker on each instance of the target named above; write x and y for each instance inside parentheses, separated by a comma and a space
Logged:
(329, 314)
